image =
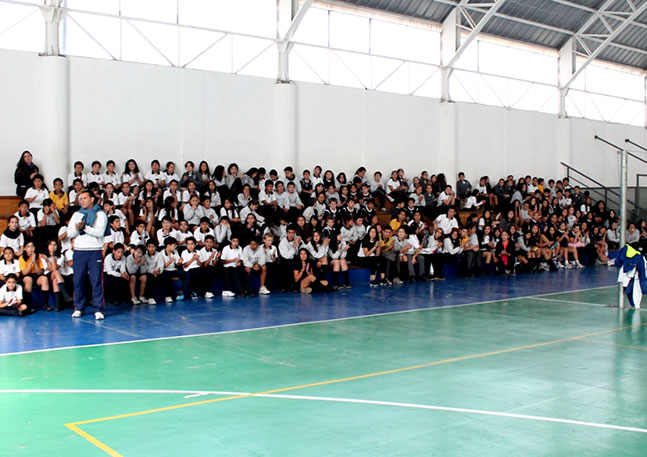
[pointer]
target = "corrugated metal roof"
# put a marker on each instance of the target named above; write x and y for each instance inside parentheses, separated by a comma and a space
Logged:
(548, 23)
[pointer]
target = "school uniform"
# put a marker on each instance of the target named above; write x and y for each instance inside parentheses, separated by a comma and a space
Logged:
(98, 178)
(14, 240)
(12, 297)
(139, 240)
(39, 197)
(192, 215)
(113, 179)
(73, 177)
(171, 271)
(115, 285)
(194, 270)
(161, 236)
(235, 278)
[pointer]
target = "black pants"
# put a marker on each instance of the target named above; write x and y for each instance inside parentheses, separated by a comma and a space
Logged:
(201, 280)
(437, 261)
(372, 263)
(287, 275)
(236, 280)
(116, 289)
(166, 279)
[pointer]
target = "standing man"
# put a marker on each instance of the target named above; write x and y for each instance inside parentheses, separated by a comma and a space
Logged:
(87, 228)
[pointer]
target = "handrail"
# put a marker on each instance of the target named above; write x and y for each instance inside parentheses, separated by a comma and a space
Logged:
(606, 189)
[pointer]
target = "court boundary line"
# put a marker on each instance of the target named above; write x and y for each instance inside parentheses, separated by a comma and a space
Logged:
(74, 426)
(294, 324)
(348, 400)
(599, 305)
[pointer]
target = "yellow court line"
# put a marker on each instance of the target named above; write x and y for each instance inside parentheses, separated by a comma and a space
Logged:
(608, 343)
(74, 425)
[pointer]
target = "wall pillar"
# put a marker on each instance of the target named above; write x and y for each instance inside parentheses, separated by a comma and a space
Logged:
(285, 126)
(53, 156)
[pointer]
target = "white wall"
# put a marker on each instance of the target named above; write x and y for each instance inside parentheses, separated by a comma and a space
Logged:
(123, 110)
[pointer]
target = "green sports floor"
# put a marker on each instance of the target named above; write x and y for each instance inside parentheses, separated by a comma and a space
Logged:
(552, 375)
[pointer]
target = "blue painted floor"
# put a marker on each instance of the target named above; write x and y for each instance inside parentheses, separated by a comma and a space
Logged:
(45, 330)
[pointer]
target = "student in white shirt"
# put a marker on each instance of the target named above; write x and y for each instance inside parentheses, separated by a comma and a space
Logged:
(166, 231)
(154, 267)
(115, 277)
(110, 176)
(209, 257)
(155, 175)
(77, 174)
(26, 220)
(193, 267)
(140, 236)
(271, 254)
(447, 222)
(172, 261)
(208, 211)
(36, 194)
(254, 263)
(232, 260)
(169, 175)
(95, 175)
(11, 298)
(202, 231)
(48, 215)
(9, 264)
(136, 269)
(132, 176)
(116, 235)
(12, 237)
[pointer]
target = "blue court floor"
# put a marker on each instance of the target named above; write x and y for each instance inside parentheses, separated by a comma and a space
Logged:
(45, 330)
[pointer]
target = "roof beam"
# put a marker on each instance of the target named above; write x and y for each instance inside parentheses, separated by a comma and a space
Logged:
(488, 9)
(289, 18)
(580, 35)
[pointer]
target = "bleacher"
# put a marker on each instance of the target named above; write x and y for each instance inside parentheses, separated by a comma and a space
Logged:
(8, 206)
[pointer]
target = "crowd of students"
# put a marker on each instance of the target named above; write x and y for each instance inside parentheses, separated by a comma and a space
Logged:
(294, 233)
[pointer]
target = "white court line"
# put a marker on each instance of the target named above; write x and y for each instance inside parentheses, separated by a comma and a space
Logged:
(345, 400)
(599, 305)
(323, 321)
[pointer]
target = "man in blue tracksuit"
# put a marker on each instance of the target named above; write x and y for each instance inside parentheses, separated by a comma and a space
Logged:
(88, 227)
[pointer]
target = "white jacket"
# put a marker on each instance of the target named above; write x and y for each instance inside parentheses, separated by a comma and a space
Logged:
(92, 238)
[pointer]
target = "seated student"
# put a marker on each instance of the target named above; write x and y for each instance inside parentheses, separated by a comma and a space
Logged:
(12, 237)
(350, 210)
(388, 255)
(26, 220)
(332, 194)
(32, 270)
(506, 254)
(268, 202)
(416, 265)
(77, 174)
(329, 230)
(447, 222)
(192, 211)
(136, 269)
(36, 194)
(243, 199)
(208, 211)
(171, 261)
(173, 192)
(318, 249)
(202, 231)
(74, 194)
(294, 202)
(252, 208)
(115, 236)
(155, 175)
(140, 236)
(169, 209)
(311, 211)
(95, 174)
(166, 231)
(370, 255)
(307, 187)
(254, 263)
(111, 176)
(270, 254)
(169, 175)
(472, 201)
(232, 260)
(249, 231)
(208, 260)
(8, 265)
(410, 209)
(287, 251)
(472, 252)
(182, 235)
(11, 300)
(60, 198)
(65, 263)
(55, 262)
(223, 231)
(337, 252)
(228, 210)
(333, 212)
(193, 266)
(125, 201)
(432, 245)
(154, 269)
(115, 277)
(303, 269)
(109, 208)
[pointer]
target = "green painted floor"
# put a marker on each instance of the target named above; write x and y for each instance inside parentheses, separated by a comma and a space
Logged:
(555, 358)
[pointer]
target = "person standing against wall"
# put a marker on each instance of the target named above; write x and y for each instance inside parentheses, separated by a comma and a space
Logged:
(88, 227)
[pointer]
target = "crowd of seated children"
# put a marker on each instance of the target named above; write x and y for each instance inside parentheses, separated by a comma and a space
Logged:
(295, 234)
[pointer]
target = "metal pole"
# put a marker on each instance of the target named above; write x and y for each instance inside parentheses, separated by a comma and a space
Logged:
(623, 216)
(627, 140)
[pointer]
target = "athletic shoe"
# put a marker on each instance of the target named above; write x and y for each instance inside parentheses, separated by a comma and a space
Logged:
(168, 300)
(98, 316)
(142, 299)
(348, 286)
(611, 263)
(374, 283)
(599, 262)
(578, 265)
(135, 301)
(397, 281)
(194, 296)
(77, 314)
(391, 199)
(560, 265)
(208, 295)
(228, 293)
(388, 282)
(264, 291)
(180, 297)
(307, 290)
(151, 301)
(569, 265)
